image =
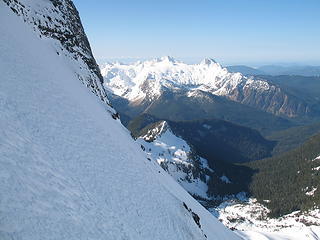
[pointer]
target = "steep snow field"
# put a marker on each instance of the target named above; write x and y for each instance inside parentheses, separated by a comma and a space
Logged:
(67, 169)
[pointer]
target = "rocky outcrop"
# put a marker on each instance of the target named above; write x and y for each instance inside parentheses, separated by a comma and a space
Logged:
(273, 100)
(60, 20)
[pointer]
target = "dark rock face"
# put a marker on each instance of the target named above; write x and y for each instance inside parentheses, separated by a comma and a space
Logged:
(60, 20)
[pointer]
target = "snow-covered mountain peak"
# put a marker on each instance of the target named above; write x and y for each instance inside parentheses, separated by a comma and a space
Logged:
(166, 59)
(176, 156)
(148, 79)
(207, 61)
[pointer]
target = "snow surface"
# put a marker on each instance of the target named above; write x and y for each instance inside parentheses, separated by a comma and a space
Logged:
(146, 79)
(67, 169)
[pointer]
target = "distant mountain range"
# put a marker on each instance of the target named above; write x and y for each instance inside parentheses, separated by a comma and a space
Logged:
(274, 70)
(169, 89)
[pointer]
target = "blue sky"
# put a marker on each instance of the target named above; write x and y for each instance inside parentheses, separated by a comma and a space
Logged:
(230, 31)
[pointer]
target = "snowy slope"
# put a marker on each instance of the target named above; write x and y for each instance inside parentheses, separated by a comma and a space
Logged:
(174, 155)
(67, 169)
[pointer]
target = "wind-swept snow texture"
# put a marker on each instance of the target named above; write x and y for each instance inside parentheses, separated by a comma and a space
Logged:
(67, 169)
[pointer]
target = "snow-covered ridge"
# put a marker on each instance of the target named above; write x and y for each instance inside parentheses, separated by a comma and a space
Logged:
(176, 156)
(130, 80)
(317, 158)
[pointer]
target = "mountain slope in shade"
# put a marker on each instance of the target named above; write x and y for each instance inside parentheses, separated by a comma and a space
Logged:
(182, 162)
(144, 82)
(213, 139)
(296, 175)
(69, 170)
(221, 140)
(305, 87)
(293, 137)
(177, 147)
(178, 106)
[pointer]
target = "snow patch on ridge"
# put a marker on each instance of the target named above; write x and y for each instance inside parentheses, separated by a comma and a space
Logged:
(174, 155)
(311, 191)
(317, 158)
